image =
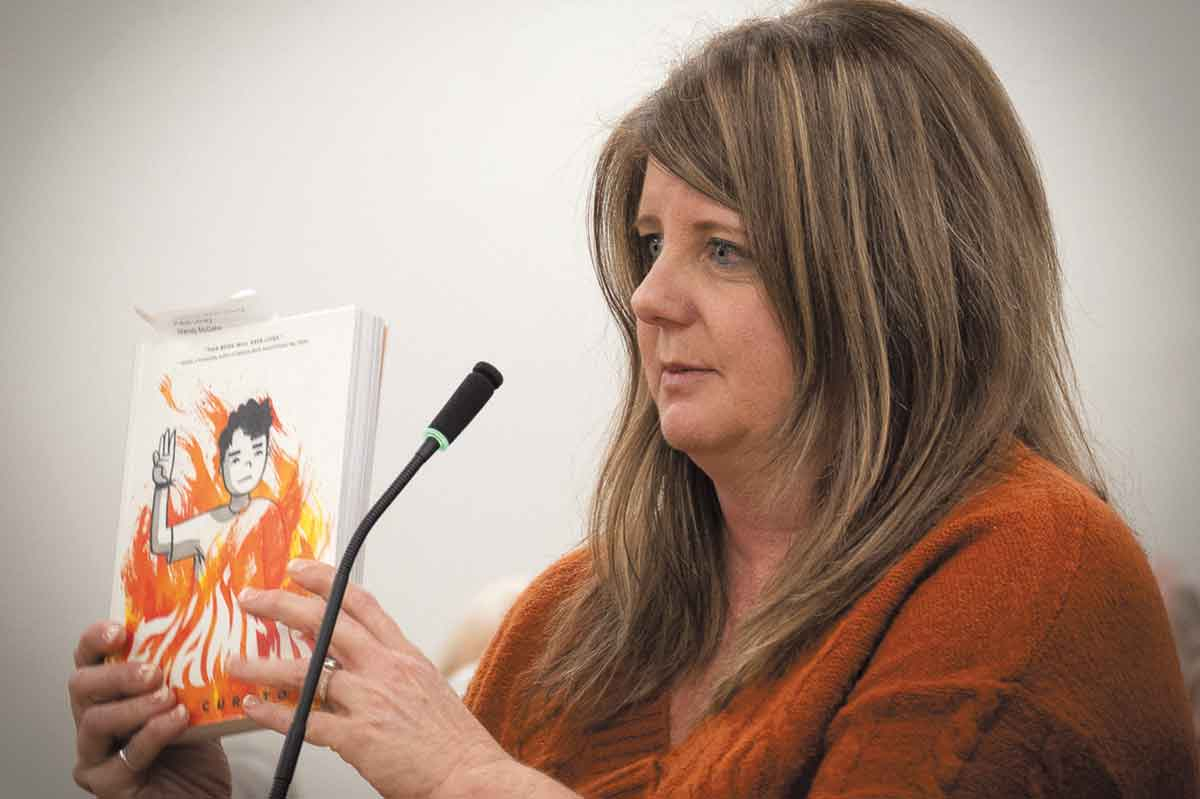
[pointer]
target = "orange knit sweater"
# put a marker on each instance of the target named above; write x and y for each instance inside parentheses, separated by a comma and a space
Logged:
(1021, 649)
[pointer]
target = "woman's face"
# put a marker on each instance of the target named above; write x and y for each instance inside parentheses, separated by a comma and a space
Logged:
(713, 354)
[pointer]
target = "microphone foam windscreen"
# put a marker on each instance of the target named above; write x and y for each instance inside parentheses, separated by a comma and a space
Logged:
(474, 392)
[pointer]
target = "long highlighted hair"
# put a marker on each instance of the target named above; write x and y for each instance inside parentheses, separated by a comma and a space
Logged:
(898, 221)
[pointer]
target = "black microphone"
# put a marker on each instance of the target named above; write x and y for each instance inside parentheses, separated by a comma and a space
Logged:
(472, 394)
(475, 390)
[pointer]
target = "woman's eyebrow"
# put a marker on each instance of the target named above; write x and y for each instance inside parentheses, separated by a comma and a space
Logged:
(720, 227)
(702, 226)
(644, 220)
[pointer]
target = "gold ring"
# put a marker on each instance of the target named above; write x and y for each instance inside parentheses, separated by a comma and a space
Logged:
(327, 669)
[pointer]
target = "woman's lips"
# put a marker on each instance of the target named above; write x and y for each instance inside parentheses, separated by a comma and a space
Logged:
(680, 377)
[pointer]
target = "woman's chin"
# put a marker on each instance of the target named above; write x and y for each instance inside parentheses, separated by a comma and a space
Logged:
(687, 436)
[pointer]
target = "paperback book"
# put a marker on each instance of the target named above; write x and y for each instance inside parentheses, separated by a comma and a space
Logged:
(247, 446)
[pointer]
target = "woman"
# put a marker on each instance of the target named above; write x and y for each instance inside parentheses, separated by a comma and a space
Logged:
(849, 538)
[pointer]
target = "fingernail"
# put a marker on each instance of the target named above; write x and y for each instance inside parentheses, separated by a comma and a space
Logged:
(248, 594)
(161, 694)
(180, 711)
(147, 672)
(249, 700)
(112, 631)
(298, 565)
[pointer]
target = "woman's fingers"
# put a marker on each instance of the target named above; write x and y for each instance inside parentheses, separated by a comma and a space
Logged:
(305, 613)
(100, 639)
(344, 687)
(359, 603)
(91, 685)
(112, 701)
(92, 682)
(269, 671)
(102, 724)
(159, 731)
(112, 774)
(323, 729)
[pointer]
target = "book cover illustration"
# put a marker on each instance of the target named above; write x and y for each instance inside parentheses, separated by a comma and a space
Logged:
(228, 499)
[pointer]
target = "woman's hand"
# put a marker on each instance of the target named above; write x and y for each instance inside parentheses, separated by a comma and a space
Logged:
(388, 712)
(127, 707)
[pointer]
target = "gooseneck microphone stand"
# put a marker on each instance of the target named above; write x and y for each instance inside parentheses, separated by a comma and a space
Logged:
(476, 389)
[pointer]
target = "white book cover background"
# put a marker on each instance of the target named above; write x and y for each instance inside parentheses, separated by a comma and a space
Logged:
(180, 606)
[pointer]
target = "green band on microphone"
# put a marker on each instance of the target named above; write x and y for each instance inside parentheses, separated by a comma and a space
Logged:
(437, 436)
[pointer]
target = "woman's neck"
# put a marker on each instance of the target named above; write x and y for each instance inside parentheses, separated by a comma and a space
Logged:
(758, 533)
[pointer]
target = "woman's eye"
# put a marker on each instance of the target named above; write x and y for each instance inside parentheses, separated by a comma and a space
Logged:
(725, 253)
(651, 245)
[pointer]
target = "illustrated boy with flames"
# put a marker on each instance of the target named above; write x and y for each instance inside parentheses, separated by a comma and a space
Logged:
(243, 446)
(233, 546)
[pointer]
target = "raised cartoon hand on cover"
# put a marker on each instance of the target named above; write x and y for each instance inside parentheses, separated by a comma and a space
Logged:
(164, 460)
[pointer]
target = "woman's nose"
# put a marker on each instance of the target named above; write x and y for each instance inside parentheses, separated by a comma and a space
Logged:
(661, 298)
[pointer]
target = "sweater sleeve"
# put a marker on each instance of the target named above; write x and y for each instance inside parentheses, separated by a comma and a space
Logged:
(1035, 661)
(958, 739)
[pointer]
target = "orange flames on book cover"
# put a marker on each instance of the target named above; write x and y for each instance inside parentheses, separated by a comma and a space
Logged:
(187, 620)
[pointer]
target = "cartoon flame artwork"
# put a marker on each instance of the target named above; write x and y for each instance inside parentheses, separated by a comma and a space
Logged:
(188, 619)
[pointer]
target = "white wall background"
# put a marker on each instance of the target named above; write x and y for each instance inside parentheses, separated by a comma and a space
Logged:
(430, 162)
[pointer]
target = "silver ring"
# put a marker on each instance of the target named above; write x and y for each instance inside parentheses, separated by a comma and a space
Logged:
(327, 669)
(125, 759)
